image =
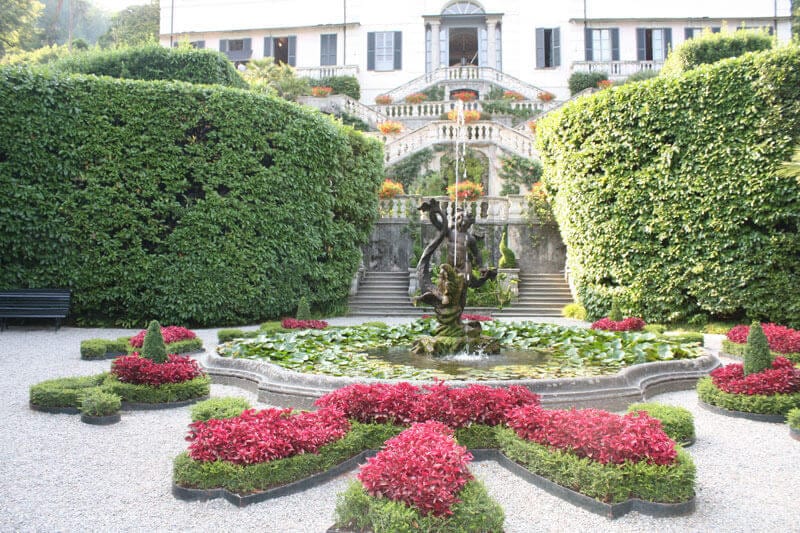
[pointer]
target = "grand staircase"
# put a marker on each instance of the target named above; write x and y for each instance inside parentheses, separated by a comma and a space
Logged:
(383, 294)
(539, 295)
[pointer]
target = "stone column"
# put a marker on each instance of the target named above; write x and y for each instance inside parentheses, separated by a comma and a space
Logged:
(435, 28)
(491, 49)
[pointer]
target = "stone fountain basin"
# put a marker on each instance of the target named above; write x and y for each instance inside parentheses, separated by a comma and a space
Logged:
(277, 386)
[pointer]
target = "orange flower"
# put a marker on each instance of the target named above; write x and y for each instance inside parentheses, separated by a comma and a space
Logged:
(383, 99)
(390, 126)
(390, 189)
(321, 92)
(467, 190)
(545, 96)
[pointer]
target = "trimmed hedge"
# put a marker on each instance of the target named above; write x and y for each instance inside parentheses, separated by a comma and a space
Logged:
(154, 62)
(772, 404)
(608, 483)
(736, 349)
(65, 392)
(227, 407)
(166, 393)
(476, 512)
(143, 196)
(677, 422)
(712, 47)
(666, 195)
(341, 85)
(793, 418)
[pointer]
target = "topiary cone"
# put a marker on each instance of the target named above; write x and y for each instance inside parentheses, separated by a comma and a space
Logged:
(507, 257)
(757, 356)
(153, 347)
(303, 309)
(615, 314)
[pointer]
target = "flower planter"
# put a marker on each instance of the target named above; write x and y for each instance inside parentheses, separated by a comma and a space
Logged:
(103, 420)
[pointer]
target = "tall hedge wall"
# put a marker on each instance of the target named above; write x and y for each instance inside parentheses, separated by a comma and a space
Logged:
(154, 62)
(666, 194)
(191, 204)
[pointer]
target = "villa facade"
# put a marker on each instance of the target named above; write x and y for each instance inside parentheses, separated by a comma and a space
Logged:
(386, 44)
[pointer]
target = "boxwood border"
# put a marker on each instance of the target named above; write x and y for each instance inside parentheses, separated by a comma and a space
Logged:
(760, 407)
(735, 350)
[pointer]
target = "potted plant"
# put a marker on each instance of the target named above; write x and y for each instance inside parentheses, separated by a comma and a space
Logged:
(513, 95)
(321, 92)
(416, 98)
(546, 96)
(469, 115)
(383, 99)
(465, 96)
(100, 408)
(390, 127)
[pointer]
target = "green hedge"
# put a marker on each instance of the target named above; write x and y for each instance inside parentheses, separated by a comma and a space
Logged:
(227, 407)
(677, 422)
(666, 195)
(166, 393)
(65, 392)
(154, 62)
(736, 349)
(712, 47)
(793, 418)
(341, 85)
(772, 404)
(200, 205)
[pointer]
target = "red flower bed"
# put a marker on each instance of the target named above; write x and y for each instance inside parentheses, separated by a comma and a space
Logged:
(423, 466)
(170, 334)
(780, 338)
(403, 403)
(631, 323)
(782, 378)
(599, 435)
(142, 371)
(293, 323)
(260, 436)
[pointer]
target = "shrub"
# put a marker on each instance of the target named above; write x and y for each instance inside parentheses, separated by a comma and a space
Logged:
(574, 310)
(175, 241)
(642, 75)
(169, 334)
(383, 99)
(770, 404)
(321, 92)
(93, 348)
(416, 98)
(757, 356)
(423, 466)
(390, 126)
(343, 85)
(465, 190)
(155, 62)
(262, 436)
(64, 392)
(475, 513)
(185, 346)
(507, 257)
(303, 310)
(96, 402)
(631, 323)
(658, 329)
(580, 81)
(677, 422)
(227, 407)
(599, 435)
(464, 96)
(780, 338)
(781, 378)
(165, 393)
(712, 47)
(793, 418)
(153, 347)
(605, 159)
(143, 371)
(390, 189)
(227, 335)
(291, 323)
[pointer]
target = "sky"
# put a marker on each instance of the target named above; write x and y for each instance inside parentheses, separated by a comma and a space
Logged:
(112, 6)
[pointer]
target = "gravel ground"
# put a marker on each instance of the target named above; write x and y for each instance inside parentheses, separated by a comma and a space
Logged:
(59, 474)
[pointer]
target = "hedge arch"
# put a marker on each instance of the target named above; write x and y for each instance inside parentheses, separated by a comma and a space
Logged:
(667, 196)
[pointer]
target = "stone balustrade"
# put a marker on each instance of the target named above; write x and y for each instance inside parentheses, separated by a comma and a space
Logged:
(495, 210)
(616, 70)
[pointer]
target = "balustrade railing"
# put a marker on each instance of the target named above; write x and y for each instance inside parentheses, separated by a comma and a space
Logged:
(496, 210)
(435, 110)
(331, 71)
(616, 69)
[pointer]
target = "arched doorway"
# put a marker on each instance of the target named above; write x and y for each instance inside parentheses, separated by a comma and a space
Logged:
(463, 34)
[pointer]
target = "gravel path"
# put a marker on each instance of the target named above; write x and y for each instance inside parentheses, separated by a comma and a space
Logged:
(59, 474)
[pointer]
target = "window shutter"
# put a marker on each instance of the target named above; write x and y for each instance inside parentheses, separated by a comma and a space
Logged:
(614, 44)
(688, 33)
(292, 53)
(587, 36)
(200, 44)
(667, 42)
(247, 46)
(556, 47)
(444, 49)
(715, 29)
(268, 52)
(223, 45)
(540, 48)
(641, 44)
(371, 50)
(398, 50)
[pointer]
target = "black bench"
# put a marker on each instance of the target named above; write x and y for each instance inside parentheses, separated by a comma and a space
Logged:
(33, 303)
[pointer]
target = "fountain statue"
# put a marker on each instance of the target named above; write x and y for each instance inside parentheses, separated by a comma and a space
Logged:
(449, 296)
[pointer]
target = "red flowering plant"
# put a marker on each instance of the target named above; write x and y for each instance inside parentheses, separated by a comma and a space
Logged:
(513, 95)
(293, 323)
(423, 467)
(403, 403)
(604, 84)
(383, 99)
(170, 333)
(261, 436)
(545, 96)
(465, 190)
(143, 371)
(631, 323)
(780, 338)
(782, 378)
(598, 435)
(321, 92)
(532, 126)
(416, 98)
(464, 96)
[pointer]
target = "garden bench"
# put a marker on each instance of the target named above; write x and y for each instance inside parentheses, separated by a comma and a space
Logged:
(34, 303)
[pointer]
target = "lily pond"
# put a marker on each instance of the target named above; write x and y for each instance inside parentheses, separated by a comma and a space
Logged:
(530, 350)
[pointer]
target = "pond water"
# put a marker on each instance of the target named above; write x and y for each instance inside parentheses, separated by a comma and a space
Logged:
(506, 364)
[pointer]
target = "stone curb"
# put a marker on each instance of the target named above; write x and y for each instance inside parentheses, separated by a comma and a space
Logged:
(758, 417)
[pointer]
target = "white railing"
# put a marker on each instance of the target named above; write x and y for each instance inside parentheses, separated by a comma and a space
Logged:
(466, 74)
(365, 113)
(523, 127)
(616, 69)
(443, 131)
(318, 73)
(487, 209)
(341, 103)
(435, 110)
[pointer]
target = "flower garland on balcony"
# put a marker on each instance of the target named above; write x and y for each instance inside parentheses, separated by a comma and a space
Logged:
(465, 96)
(416, 98)
(469, 116)
(513, 95)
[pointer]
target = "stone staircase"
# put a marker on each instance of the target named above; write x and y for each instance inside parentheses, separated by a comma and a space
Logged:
(383, 294)
(539, 295)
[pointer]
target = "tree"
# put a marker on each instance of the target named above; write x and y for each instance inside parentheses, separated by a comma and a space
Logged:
(17, 20)
(62, 19)
(133, 26)
(153, 347)
(757, 356)
(277, 79)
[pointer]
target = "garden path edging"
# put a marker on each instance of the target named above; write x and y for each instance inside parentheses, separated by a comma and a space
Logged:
(758, 417)
(141, 406)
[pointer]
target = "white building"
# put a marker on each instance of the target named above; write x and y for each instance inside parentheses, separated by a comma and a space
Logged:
(387, 44)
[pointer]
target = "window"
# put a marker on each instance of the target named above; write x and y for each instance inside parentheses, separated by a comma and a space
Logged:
(463, 8)
(197, 44)
(283, 49)
(548, 47)
(327, 45)
(691, 33)
(602, 44)
(236, 49)
(384, 51)
(653, 44)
